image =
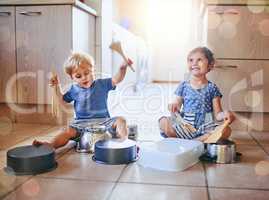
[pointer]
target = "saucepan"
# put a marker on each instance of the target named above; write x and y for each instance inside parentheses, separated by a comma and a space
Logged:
(91, 132)
(115, 151)
(30, 160)
(224, 151)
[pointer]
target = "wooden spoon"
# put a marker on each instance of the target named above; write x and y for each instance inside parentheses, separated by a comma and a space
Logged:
(116, 46)
(54, 100)
(219, 132)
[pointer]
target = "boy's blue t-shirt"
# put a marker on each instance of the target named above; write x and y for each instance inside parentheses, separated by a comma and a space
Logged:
(90, 102)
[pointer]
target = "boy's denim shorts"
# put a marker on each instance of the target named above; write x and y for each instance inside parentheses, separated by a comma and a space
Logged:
(81, 124)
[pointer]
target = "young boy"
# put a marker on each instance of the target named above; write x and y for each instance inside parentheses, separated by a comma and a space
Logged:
(89, 97)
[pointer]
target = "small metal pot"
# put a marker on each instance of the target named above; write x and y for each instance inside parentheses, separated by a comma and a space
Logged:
(89, 136)
(223, 151)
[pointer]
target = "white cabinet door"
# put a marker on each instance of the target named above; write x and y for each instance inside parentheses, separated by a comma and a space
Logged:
(236, 32)
(7, 55)
(243, 83)
(83, 31)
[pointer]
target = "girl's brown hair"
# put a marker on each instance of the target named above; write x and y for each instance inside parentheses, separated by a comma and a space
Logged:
(208, 54)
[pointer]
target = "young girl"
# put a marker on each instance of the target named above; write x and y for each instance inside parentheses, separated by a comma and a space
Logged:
(201, 101)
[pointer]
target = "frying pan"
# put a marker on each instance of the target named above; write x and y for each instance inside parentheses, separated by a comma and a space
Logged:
(115, 151)
(30, 160)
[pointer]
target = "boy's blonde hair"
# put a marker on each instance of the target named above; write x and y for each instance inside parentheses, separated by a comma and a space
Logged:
(75, 60)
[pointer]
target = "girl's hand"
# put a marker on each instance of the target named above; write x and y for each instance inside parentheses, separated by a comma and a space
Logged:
(229, 116)
(173, 107)
(54, 80)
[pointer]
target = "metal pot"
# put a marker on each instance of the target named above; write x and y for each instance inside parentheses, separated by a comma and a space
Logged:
(115, 151)
(89, 136)
(223, 151)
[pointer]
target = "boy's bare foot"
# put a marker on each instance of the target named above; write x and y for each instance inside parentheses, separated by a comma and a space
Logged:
(38, 143)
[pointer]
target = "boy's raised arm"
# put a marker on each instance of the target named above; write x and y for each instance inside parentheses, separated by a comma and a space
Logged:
(55, 84)
(117, 78)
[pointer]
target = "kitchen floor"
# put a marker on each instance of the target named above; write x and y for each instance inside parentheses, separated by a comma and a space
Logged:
(78, 177)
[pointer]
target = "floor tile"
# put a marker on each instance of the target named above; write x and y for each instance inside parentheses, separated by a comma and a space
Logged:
(2, 159)
(80, 166)
(11, 140)
(241, 122)
(9, 182)
(261, 137)
(30, 140)
(53, 131)
(19, 133)
(24, 129)
(41, 189)
(242, 174)
(129, 191)
(242, 137)
(233, 194)
(193, 176)
(266, 149)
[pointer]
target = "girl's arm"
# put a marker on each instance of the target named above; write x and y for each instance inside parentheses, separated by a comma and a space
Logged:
(219, 114)
(121, 73)
(176, 104)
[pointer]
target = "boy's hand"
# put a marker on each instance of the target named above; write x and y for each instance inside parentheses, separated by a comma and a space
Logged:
(173, 107)
(126, 64)
(54, 80)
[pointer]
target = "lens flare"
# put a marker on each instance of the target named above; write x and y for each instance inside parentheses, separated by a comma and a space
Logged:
(262, 168)
(31, 188)
(264, 27)
(227, 30)
(5, 126)
(254, 8)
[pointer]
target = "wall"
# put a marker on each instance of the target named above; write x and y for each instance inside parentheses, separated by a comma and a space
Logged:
(169, 30)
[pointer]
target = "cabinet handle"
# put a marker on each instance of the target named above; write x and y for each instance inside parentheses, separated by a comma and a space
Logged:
(31, 13)
(224, 12)
(226, 66)
(5, 14)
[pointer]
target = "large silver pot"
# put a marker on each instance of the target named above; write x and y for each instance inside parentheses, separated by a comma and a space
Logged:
(223, 151)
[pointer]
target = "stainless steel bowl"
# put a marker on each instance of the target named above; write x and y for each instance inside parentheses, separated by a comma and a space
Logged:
(223, 152)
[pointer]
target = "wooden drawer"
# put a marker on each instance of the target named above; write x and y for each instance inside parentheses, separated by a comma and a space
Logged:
(243, 83)
(237, 32)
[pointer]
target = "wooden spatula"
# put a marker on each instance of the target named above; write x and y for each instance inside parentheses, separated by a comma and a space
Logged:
(218, 133)
(54, 100)
(187, 126)
(116, 46)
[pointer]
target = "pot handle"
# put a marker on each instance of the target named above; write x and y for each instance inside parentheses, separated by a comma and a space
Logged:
(137, 149)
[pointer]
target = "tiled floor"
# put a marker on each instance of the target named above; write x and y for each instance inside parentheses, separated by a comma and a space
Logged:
(78, 177)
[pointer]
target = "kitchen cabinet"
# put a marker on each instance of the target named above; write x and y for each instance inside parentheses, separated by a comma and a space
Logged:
(239, 39)
(243, 83)
(236, 32)
(44, 37)
(7, 53)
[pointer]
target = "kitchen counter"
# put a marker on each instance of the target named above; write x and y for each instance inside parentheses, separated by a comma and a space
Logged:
(237, 2)
(76, 3)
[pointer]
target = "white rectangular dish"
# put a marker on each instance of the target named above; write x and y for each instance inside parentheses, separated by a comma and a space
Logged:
(170, 154)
